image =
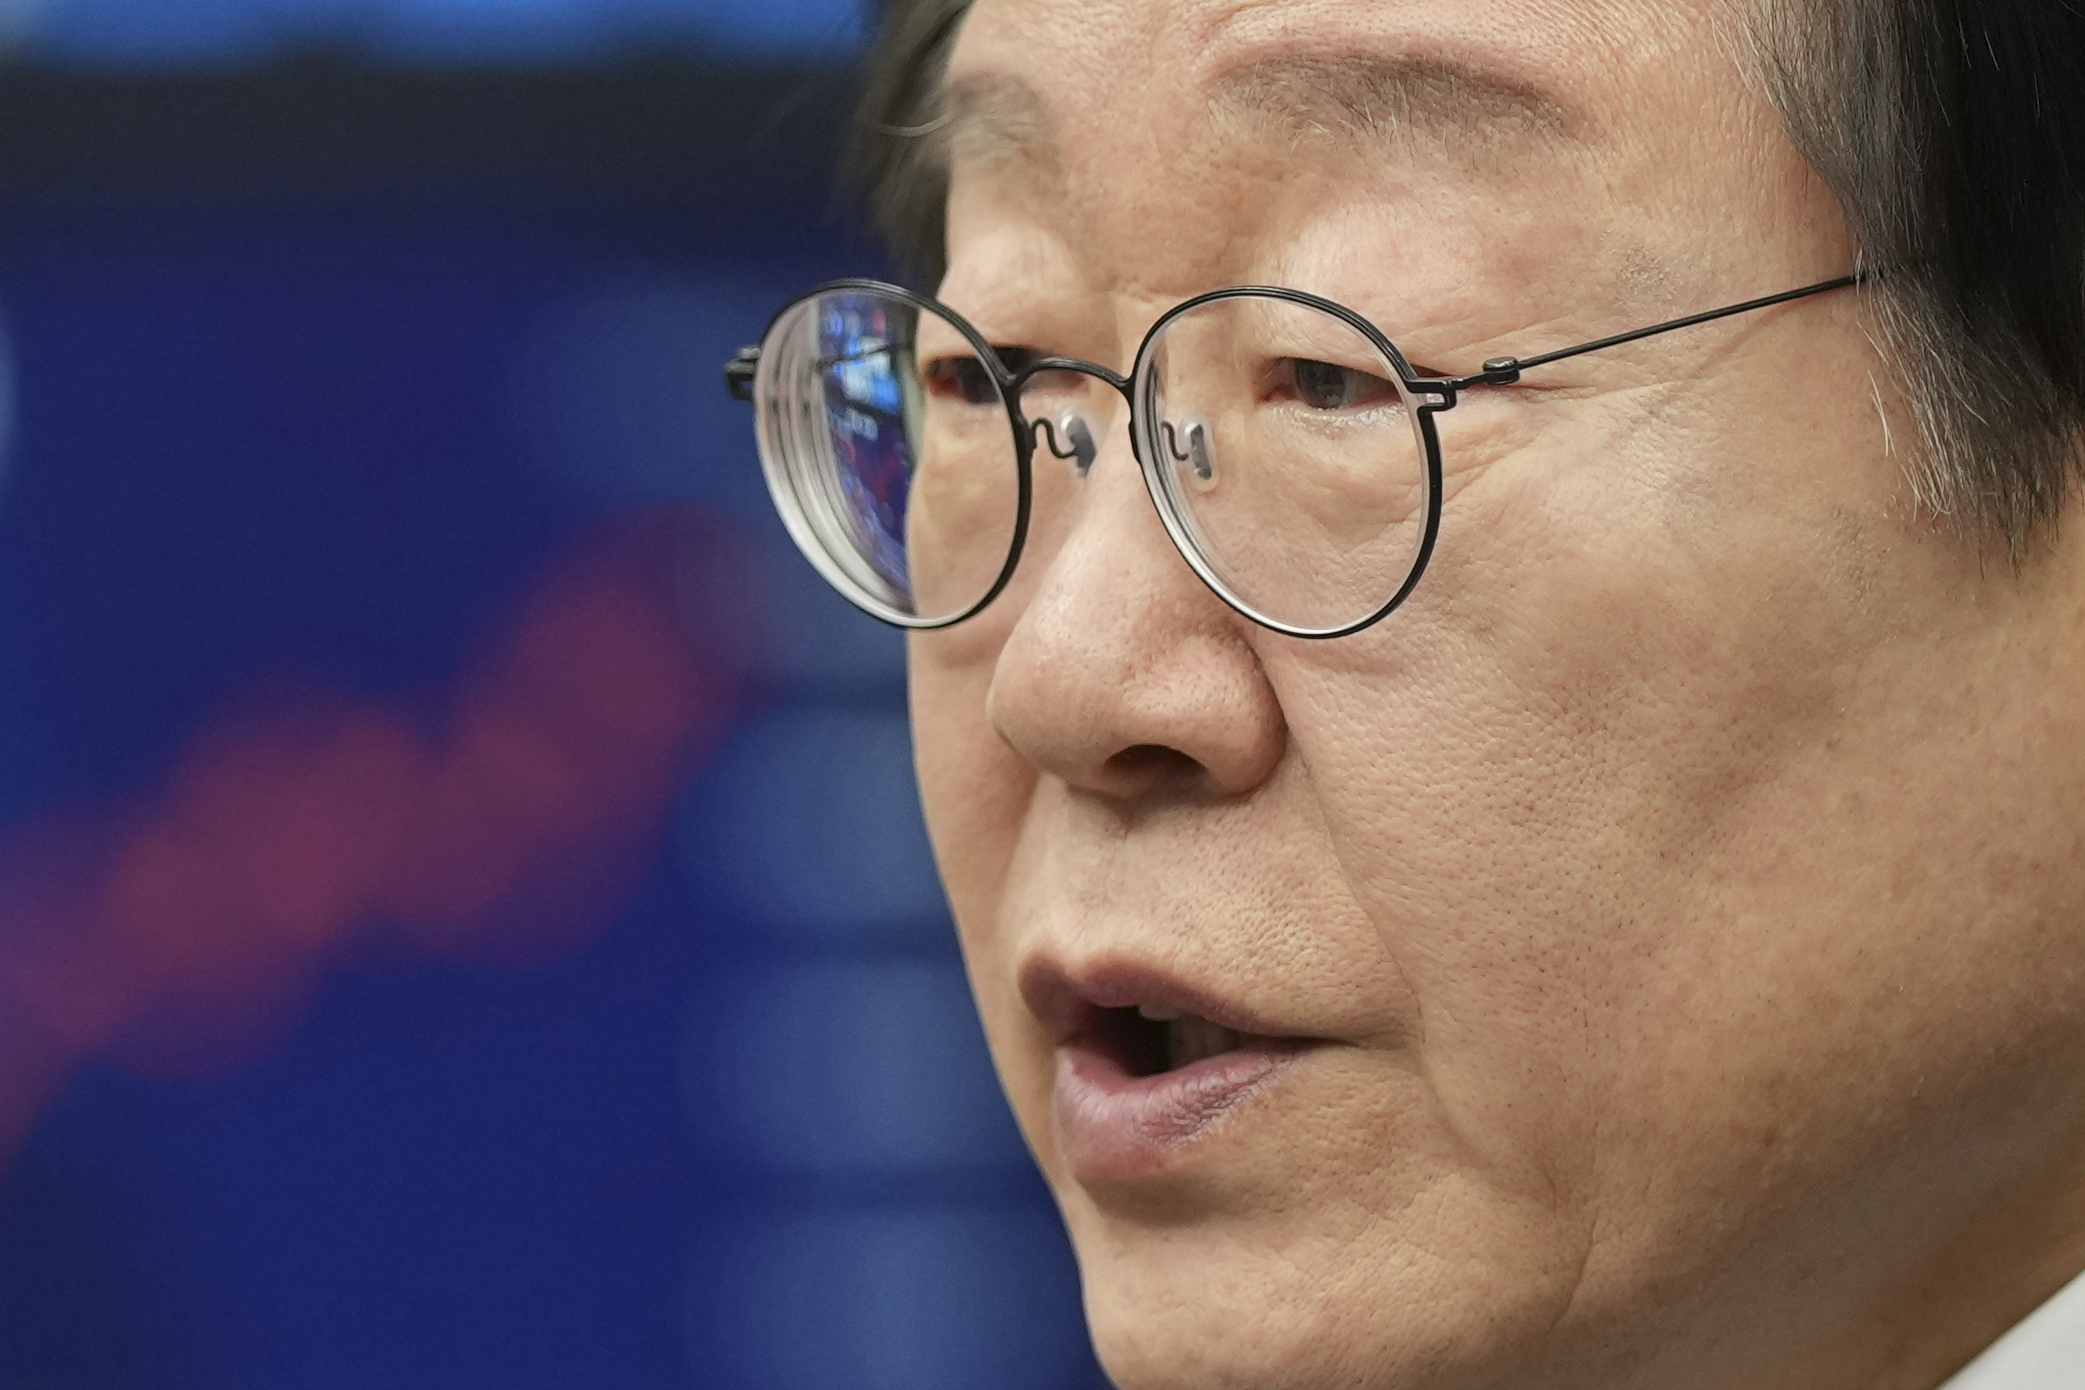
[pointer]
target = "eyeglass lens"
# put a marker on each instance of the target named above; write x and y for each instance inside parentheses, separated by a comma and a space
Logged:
(1278, 442)
(1282, 446)
(888, 449)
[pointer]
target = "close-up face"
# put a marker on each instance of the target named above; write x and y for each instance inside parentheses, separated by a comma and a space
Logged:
(1633, 961)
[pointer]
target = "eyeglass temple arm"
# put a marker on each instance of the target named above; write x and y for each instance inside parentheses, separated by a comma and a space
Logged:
(1504, 371)
(738, 373)
(1499, 371)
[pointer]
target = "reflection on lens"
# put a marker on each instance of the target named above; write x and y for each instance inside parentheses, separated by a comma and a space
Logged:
(889, 452)
(1282, 446)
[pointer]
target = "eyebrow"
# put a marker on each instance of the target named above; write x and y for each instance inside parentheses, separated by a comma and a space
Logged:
(1373, 99)
(1408, 100)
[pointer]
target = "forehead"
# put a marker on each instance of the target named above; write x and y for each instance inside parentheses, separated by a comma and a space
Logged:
(1177, 142)
(1469, 77)
(1360, 96)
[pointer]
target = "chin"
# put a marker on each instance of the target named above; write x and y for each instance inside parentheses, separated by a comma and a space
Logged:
(1219, 1326)
(1253, 1208)
(1186, 1307)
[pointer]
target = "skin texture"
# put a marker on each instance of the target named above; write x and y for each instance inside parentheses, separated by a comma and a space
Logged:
(1686, 880)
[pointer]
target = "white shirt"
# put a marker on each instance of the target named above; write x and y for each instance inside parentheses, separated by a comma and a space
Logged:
(2046, 1352)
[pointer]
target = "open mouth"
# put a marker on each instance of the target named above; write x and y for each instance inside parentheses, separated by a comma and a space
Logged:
(1149, 1041)
(1147, 1065)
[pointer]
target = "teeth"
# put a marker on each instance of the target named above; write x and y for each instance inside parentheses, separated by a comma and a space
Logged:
(1190, 1039)
(1157, 1013)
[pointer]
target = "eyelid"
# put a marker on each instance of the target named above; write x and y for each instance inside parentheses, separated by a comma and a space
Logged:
(1015, 356)
(1344, 355)
(1377, 368)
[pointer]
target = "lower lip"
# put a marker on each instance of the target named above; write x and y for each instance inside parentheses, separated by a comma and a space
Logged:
(1116, 1126)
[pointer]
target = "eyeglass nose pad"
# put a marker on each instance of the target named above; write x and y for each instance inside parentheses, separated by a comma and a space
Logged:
(1199, 453)
(1070, 437)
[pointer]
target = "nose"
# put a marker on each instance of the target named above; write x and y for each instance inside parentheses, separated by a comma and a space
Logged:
(1124, 675)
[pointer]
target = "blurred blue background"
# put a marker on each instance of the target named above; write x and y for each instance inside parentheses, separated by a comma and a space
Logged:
(328, 326)
(216, 32)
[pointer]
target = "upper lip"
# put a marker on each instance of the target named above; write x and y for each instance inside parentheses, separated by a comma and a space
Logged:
(1066, 999)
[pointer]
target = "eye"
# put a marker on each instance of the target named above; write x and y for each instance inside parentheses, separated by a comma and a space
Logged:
(1017, 359)
(1329, 386)
(961, 378)
(969, 380)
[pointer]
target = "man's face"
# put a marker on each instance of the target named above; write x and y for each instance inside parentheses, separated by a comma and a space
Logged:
(1651, 955)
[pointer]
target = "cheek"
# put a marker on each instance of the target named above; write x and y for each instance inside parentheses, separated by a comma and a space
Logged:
(1605, 689)
(972, 785)
(975, 791)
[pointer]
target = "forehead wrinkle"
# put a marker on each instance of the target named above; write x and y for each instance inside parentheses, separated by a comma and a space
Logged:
(1397, 99)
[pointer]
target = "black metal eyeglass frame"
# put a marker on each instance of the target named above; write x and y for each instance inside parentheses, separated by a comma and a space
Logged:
(1432, 395)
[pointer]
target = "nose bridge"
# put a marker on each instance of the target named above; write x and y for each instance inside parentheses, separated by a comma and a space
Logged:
(1096, 536)
(1103, 515)
(1072, 364)
(1066, 427)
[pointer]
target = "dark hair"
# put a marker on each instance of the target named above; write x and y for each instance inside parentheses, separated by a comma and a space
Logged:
(1952, 133)
(894, 162)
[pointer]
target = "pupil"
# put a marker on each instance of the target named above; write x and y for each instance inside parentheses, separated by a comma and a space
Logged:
(978, 387)
(967, 379)
(1324, 386)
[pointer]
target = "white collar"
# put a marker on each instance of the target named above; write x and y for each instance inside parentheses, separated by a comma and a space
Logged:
(2046, 1352)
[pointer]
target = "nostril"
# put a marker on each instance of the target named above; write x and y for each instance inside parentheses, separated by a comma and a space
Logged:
(1153, 765)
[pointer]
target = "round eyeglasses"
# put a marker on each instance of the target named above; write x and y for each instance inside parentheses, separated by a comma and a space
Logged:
(1288, 445)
